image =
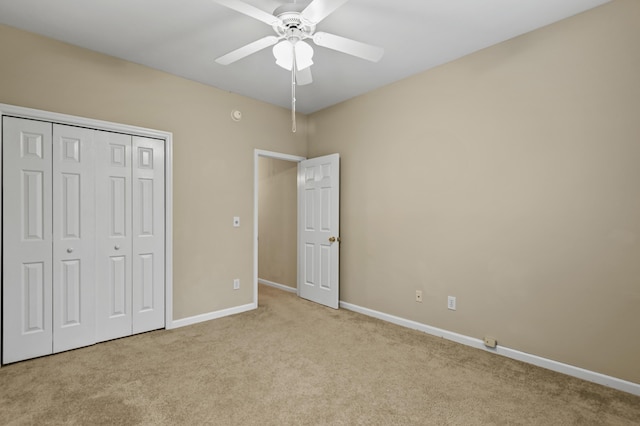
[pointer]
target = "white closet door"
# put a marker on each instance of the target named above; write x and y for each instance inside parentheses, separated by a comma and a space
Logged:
(83, 237)
(148, 234)
(113, 235)
(73, 238)
(27, 245)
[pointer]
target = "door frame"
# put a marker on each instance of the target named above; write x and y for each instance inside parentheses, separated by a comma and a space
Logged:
(36, 114)
(257, 153)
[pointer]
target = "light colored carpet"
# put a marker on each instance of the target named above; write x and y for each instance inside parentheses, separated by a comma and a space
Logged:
(293, 362)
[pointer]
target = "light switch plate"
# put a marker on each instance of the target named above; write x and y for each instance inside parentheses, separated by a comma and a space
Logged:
(451, 303)
(236, 221)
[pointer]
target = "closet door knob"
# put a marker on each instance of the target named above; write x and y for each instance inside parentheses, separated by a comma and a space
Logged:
(70, 250)
(117, 247)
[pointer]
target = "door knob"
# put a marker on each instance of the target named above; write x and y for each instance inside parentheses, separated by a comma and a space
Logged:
(332, 239)
(70, 250)
(117, 247)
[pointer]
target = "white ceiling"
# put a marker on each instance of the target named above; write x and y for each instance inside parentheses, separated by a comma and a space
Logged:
(183, 37)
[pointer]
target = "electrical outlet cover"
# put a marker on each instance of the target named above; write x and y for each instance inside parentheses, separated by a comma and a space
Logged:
(490, 342)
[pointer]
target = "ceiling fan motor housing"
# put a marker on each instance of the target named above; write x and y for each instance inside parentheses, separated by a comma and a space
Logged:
(293, 26)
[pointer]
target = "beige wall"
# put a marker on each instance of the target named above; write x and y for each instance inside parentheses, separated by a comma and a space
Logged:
(277, 224)
(213, 155)
(511, 180)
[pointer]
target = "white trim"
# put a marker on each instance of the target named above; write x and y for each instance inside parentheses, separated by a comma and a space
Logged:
(277, 285)
(36, 114)
(1, 237)
(591, 376)
(168, 230)
(212, 315)
(257, 153)
(279, 156)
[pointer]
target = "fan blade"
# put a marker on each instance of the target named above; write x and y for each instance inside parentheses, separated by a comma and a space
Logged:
(247, 50)
(304, 77)
(249, 10)
(351, 47)
(320, 9)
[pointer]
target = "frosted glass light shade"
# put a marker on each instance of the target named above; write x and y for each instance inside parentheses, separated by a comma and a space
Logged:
(284, 52)
(304, 53)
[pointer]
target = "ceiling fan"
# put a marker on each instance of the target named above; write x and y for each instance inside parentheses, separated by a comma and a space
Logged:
(294, 23)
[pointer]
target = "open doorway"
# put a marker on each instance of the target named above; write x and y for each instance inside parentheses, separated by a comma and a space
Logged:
(275, 221)
(318, 226)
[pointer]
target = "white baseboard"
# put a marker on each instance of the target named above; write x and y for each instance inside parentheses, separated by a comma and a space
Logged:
(225, 312)
(276, 285)
(591, 376)
(211, 315)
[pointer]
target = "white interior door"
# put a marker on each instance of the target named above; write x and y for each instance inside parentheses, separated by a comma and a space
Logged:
(73, 238)
(319, 229)
(27, 239)
(148, 234)
(113, 236)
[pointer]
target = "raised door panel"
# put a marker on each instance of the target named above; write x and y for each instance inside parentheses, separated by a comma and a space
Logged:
(148, 234)
(73, 238)
(113, 236)
(27, 241)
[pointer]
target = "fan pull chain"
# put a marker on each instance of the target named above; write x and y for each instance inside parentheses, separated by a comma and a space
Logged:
(293, 93)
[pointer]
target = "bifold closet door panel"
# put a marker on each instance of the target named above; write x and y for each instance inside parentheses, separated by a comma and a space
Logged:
(148, 234)
(73, 238)
(113, 235)
(27, 239)
(83, 215)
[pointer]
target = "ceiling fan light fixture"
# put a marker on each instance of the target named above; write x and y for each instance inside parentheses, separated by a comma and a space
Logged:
(293, 23)
(284, 51)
